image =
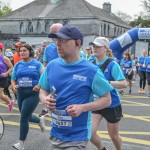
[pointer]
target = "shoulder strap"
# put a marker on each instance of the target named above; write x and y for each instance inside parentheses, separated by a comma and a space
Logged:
(104, 66)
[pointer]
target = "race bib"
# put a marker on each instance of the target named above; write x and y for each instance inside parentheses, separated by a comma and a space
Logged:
(126, 65)
(61, 119)
(25, 82)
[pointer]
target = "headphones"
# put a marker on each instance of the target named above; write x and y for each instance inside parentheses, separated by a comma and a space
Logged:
(31, 54)
(31, 51)
(30, 48)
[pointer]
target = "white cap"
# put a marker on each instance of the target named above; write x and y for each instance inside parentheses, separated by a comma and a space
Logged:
(100, 41)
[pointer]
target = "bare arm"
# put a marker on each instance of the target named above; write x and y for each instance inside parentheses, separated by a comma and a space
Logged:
(75, 110)
(14, 85)
(119, 84)
(44, 64)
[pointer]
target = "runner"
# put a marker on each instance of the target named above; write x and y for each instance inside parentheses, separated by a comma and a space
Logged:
(147, 64)
(142, 72)
(50, 53)
(5, 69)
(25, 77)
(113, 113)
(75, 85)
(128, 66)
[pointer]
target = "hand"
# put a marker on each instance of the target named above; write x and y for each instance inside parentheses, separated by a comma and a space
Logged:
(129, 73)
(15, 88)
(42, 70)
(4, 74)
(74, 110)
(36, 88)
(50, 103)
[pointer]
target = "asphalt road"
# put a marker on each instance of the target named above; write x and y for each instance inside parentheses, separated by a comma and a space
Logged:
(135, 126)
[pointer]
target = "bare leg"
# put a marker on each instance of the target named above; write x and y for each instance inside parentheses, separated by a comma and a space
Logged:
(113, 131)
(3, 97)
(95, 139)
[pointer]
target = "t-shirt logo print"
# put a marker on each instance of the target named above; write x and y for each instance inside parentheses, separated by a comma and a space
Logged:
(80, 78)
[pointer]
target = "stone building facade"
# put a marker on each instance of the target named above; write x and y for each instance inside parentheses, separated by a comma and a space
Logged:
(31, 22)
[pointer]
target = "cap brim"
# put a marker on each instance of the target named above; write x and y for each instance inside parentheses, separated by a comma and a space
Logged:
(52, 35)
(57, 34)
(95, 43)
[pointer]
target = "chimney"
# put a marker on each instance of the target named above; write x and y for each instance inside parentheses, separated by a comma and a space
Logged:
(107, 7)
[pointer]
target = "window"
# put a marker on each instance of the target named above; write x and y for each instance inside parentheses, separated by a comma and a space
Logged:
(30, 27)
(22, 28)
(39, 28)
(47, 26)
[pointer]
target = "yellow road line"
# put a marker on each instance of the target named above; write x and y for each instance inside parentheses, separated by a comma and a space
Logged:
(137, 103)
(18, 124)
(130, 140)
(136, 117)
(105, 136)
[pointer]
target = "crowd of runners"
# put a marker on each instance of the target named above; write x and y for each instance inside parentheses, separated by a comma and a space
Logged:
(71, 83)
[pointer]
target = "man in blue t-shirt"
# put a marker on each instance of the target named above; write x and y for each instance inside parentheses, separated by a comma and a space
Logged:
(50, 53)
(74, 81)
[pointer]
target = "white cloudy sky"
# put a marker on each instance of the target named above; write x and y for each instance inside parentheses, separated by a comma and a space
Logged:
(131, 7)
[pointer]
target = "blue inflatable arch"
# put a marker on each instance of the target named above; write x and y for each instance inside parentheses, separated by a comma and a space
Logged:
(123, 42)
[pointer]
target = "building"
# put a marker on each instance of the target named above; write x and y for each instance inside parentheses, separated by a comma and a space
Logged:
(31, 22)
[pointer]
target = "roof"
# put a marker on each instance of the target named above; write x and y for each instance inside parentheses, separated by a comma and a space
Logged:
(63, 9)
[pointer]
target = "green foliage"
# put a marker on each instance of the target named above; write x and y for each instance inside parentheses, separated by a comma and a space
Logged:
(140, 22)
(4, 10)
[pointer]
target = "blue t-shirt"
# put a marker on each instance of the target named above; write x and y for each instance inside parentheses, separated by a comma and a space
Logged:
(27, 74)
(127, 65)
(147, 63)
(90, 58)
(113, 73)
(141, 61)
(75, 83)
(50, 53)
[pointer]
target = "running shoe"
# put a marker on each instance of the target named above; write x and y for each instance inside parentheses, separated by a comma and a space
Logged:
(19, 146)
(42, 123)
(11, 104)
(143, 92)
(44, 113)
(139, 91)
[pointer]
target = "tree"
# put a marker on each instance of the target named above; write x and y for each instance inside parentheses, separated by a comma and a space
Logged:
(125, 17)
(4, 9)
(140, 22)
(146, 5)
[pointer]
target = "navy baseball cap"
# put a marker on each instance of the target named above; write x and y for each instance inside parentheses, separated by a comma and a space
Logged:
(68, 32)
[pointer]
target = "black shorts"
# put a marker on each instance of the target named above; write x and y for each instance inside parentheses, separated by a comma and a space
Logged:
(3, 82)
(112, 115)
(128, 77)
